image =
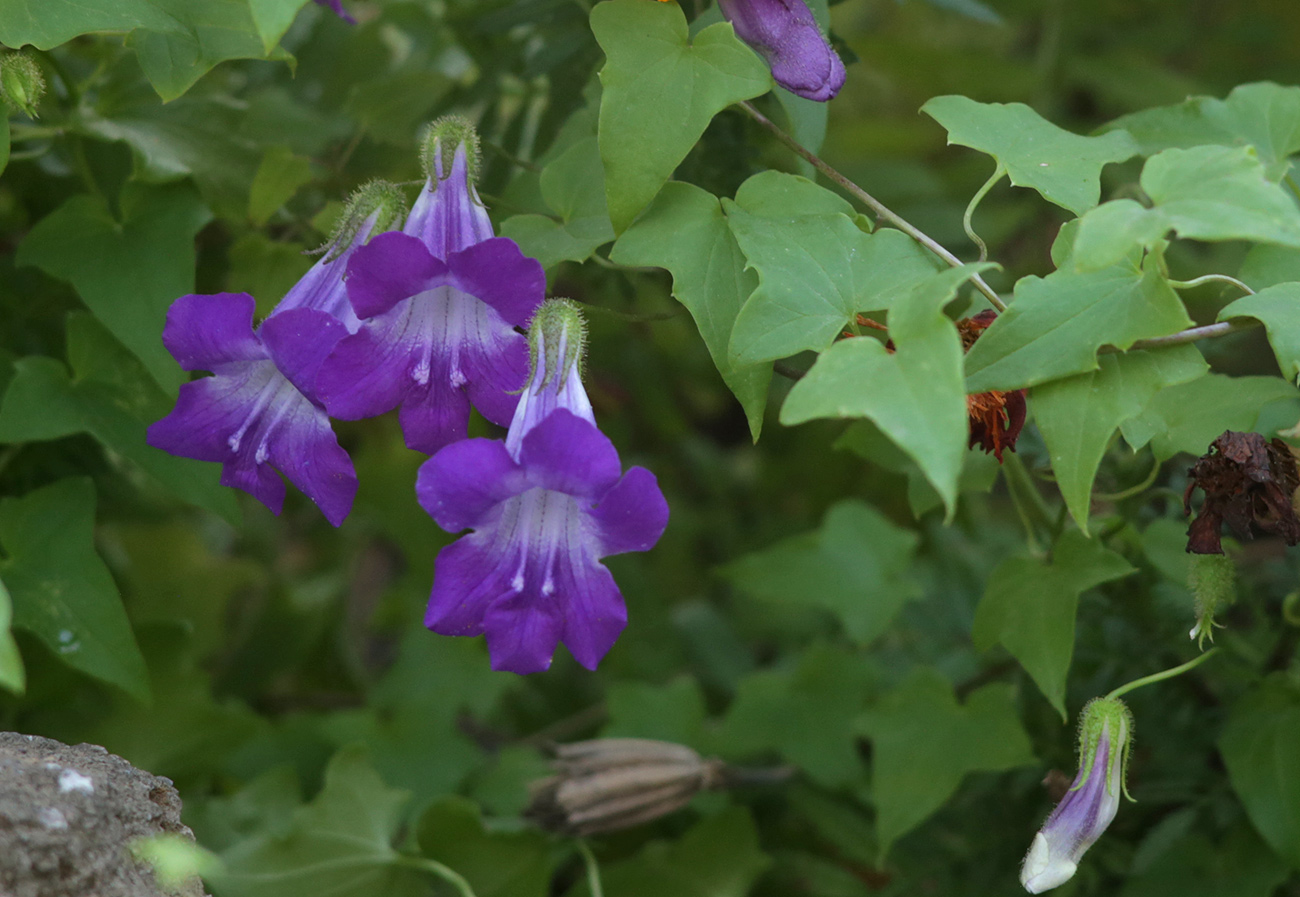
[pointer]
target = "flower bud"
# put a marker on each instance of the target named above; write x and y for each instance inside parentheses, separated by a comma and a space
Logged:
(442, 138)
(375, 207)
(557, 338)
(1214, 586)
(21, 82)
(1105, 739)
(609, 784)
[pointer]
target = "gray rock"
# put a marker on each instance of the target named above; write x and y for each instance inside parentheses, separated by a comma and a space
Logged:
(67, 816)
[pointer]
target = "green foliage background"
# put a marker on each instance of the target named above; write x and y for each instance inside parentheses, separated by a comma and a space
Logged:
(908, 624)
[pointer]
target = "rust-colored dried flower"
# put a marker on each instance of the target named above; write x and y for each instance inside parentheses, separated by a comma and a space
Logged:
(1249, 484)
(996, 417)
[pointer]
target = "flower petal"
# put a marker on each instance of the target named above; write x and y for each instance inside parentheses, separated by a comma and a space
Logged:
(366, 374)
(305, 449)
(258, 480)
(207, 412)
(567, 454)
(323, 288)
(496, 272)
(522, 632)
(631, 516)
(337, 6)
(205, 332)
(467, 577)
(594, 612)
(299, 340)
(786, 34)
(448, 216)
(388, 269)
(496, 365)
(433, 416)
(463, 483)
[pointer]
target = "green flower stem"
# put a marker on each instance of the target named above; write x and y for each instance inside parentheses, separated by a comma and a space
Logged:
(593, 869)
(1164, 674)
(1028, 501)
(881, 210)
(998, 173)
(446, 873)
(1191, 335)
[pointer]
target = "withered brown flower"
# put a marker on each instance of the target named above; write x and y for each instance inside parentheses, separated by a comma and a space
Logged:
(1249, 484)
(996, 417)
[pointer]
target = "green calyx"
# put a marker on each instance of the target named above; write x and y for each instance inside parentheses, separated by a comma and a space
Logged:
(1213, 582)
(21, 83)
(442, 138)
(1109, 717)
(374, 207)
(557, 339)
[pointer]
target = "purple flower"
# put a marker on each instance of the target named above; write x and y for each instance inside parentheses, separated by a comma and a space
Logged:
(440, 311)
(1092, 801)
(543, 514)
(337, 6)
(448, 215)
(785, 33)
(257, 414)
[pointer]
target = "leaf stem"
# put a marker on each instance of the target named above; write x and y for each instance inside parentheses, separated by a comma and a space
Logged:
(1164, 674)
(1132, 490)
(881, 210)
(446, 873)
(593, 869)
(1191, 335)
(975, 200)
(1210, 278)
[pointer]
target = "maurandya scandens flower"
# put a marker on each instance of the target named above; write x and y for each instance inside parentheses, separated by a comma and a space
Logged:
(257, 414)
(337, 6)
(439, 310)
(1090, 805)
(785, 33)
(544, 506)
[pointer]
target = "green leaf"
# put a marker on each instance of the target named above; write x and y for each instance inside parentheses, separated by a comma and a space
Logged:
(924, 743)
(1055, 325)
(341, 844)
(112, 398)
(803, 710)
(4, 141)
(127, 272)
(1261, 748)
(1065, 168)
(1262, 115)
(914, 394)
(1029, 606)
(1239, 864)
(1187, 417)
(856, 567)
(1278, 309)
(62, 592)
(816, 267)
(1203, 193)
(52, 22)
(496, 864)
(12, 675)
(572, 190)
(264, 269)
(660, 93)
(670, 712)
(685, 231)
(273, 18)
(277, 180)
(1078, 415)
(1266, 266)
(718, 857)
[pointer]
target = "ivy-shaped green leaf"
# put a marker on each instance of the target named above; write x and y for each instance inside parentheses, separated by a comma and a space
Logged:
(1187, 417)
(278, 178)
(341, 844)
(924, 743)
(685, 231)
(1078, 415)
(855, 566)
(1055, 324)
(660, 91)
(1278, 309)
(914, 394)
(1029, 606)
(127, 272)
(273, 18)
(1064, 168)
(1261, 748)
(12, 675)
(1263, 115)
(1203, 193)
(574, 191)
(62, 593)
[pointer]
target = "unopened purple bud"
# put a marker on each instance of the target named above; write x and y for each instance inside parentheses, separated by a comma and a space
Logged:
(337, 6)
(785, 33)
(448, 216)
(557, 338)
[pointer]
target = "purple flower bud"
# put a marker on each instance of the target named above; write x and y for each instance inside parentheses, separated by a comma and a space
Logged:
(785, 33)
(1106, 733)
(337, 6)
(448, 215)
(542, 515)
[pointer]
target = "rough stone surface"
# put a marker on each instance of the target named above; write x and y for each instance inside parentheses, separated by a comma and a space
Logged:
(67, 816)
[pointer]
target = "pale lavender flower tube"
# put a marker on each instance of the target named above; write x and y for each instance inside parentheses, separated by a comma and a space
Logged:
(785, 33)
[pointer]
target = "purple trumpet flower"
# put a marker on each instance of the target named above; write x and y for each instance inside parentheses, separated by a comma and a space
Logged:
(1090, 805)
(785, 33)
(337, 6)
(439, 314)
(258, 414)
(544, 506)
